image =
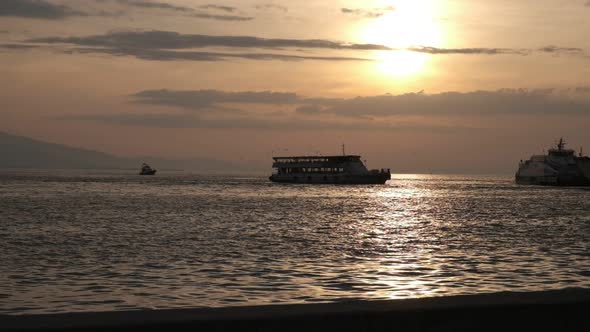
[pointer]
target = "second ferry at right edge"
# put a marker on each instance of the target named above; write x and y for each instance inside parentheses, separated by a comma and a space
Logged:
(560, 167)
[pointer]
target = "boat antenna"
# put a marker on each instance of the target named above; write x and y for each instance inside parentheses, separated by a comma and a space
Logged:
(343, 153)
(561, 144)
(581, 152)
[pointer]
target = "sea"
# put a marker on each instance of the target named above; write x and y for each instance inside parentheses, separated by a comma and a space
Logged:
(81, 241)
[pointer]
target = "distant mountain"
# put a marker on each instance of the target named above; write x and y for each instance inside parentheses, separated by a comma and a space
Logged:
(23, 152)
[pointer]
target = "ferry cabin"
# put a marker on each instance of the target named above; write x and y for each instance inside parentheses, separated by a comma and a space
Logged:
(325, 169)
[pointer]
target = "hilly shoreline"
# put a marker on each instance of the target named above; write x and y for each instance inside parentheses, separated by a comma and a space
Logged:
(26, 153)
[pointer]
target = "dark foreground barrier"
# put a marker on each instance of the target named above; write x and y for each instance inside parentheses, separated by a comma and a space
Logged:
(562, 310)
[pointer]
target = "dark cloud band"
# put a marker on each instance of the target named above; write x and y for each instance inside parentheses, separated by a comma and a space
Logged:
(172, 40)
(167, 55)
(222, 17)
(169, 46)
(488, 51)
(156, 39)
(38, 9)
(202, 14)
(501, 102)
(206, 109)
(153, 5)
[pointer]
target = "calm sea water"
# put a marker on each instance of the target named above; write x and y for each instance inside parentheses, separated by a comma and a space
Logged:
(100, 241)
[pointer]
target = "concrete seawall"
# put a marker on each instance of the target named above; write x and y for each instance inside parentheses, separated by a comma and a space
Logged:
(561, 310)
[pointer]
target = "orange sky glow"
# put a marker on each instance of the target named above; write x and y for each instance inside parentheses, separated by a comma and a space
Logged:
(414, 85)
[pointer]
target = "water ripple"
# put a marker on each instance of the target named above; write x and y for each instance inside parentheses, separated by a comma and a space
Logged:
(95, 242)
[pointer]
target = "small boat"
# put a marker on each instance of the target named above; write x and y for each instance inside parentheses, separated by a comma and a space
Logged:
(147, 170)
(345, 169)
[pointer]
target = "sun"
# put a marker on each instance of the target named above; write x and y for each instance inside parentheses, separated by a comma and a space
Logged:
(411, 23)
(400, 63)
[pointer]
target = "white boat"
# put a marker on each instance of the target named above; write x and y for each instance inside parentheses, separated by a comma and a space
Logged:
(560, 167)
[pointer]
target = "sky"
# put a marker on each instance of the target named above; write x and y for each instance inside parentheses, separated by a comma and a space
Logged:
(417, 86)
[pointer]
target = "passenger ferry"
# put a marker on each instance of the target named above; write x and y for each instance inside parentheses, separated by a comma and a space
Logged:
(344, 169)
(560, 167)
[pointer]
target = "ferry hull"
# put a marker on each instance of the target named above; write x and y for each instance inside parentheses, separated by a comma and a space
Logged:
(537, 180)
(332, 179)
(568, 181)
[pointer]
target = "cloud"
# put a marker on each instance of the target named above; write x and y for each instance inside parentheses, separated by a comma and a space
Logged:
(271, 6)
(228, 9)
(487, 51)
(222, 17)
(153, 5)
(156, 39)
(166, 55)
(186, 10)
(562, 50)
(446, 111)
(368, 13)
(506, 102)
(498, 51)
(200, 99)
(165, 46)
(17, 46)
(38, 9)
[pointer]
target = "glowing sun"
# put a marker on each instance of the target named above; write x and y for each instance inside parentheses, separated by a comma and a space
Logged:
(411, 23)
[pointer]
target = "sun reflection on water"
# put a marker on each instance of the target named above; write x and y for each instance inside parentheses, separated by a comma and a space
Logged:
(397, 230)
(243, 241)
